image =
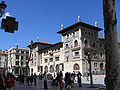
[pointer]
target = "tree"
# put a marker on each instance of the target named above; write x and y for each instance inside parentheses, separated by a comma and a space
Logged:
(111, 46)
(118, 29)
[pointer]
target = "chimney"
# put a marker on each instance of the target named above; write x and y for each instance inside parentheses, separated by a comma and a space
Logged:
(79, 19)
(37, 39)
(96, 24)
(62, 27)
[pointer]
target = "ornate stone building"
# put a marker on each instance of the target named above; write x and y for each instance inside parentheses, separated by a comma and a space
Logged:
(70, 55)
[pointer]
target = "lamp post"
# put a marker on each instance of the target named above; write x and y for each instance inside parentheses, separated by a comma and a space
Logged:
(29, 58)
(2, 8)
(90, 69)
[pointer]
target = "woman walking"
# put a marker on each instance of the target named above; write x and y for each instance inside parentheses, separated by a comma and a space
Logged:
(1, 83)
(45, 81)
(10, 82)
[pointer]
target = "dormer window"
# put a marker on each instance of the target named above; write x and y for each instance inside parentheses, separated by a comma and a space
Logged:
(66, 46)
(67, 36)
(75, 43)
(73, 33)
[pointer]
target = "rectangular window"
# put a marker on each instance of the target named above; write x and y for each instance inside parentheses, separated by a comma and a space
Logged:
(17, 56)
(38, 69)
(27, 52)
(21, 62)
(22, 51)
(46, 60)
(56, 58)
(17, 63)
(51, 59)
(26, 57)
(95, 64)
(76, 53)
(21, 57)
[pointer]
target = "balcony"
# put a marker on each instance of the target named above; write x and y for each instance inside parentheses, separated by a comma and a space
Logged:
(76, 48)
(87, 47)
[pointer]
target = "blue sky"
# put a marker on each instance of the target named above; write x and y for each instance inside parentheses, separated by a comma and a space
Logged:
(42, 18)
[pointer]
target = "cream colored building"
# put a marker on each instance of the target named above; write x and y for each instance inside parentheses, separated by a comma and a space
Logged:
(3, 61)
(69, 55)
(17, 58)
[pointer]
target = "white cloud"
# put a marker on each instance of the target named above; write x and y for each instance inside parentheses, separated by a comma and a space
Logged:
(6, 14)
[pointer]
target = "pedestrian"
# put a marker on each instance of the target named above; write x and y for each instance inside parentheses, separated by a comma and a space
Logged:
(79, 79)
(35, 77)
(88, 74)
(10, 82)
(66, 79)
(61, 84)
(31, 79)
(28, 80)
(1, 83)
(39, 76)
(45, 81)
(22, 78)
(72, 80)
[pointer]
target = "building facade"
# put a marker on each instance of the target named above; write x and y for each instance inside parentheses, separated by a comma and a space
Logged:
(70, 55)
(17, 58)
(3, 61)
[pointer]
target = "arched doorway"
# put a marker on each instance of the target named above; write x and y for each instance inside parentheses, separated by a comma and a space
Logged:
(31, 70)
(76, 67)
(101, 66)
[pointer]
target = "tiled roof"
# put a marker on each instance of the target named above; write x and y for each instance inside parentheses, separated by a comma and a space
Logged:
(40, 43)
(56, 45)
(52, 45)
(79, 24)
(43, 42)
(3, 53)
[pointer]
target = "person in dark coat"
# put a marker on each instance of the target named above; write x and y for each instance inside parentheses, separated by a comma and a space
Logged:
(28, 80)
(79, 79)
(1, 83)
(34, 78)
(45, 81)
(66, 79)
(31, 79)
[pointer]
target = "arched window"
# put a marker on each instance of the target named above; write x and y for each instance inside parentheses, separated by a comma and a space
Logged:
(75, 43)
(57, 68)
(76, 67)
(51, 69)
(46, 69)
(86, 42)
(66, 45)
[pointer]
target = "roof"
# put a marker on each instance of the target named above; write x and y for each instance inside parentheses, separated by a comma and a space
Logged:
(3, 53)
(40, 43)
(50, 46)
(79, 24)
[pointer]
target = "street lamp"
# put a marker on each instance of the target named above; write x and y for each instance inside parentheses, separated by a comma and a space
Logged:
(29, 58)
(90, 69)
(2, 8)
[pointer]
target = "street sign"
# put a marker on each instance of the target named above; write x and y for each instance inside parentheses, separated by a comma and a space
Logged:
(9, 24)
